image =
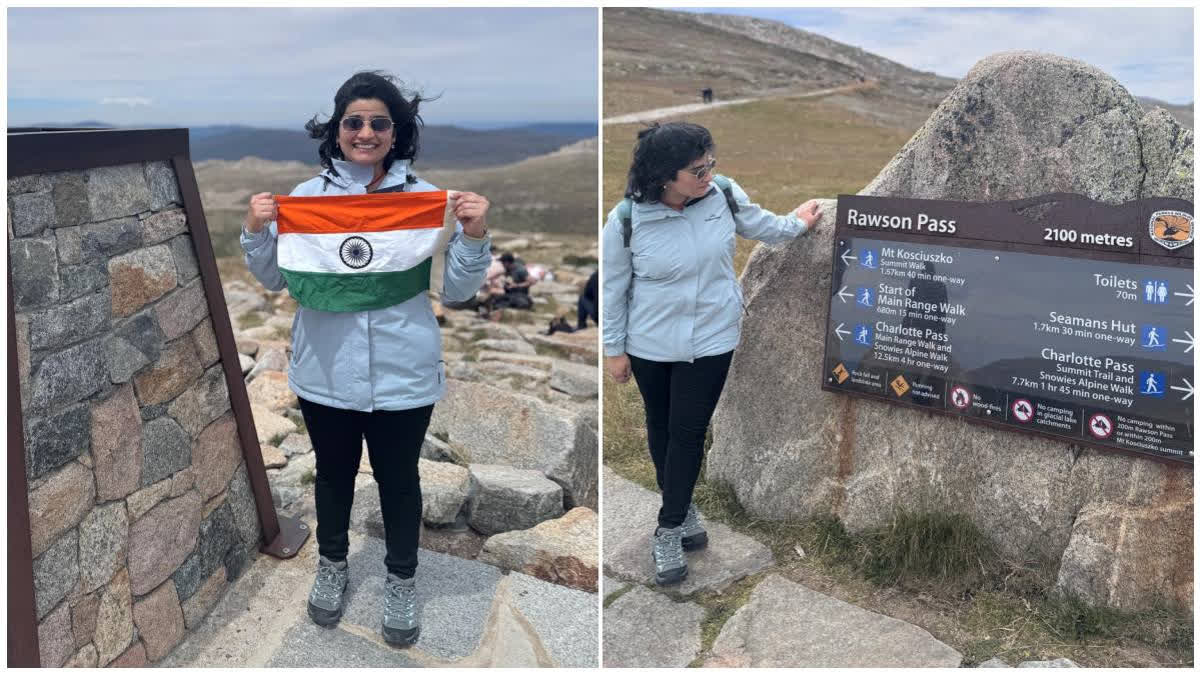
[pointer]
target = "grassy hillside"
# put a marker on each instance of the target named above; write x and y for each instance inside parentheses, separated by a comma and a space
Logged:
(441, 146)
(781, 151)
(655, 58)
(553, 193)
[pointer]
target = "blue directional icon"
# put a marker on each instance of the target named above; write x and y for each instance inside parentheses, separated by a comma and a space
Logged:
(1154, 292)
(866, 296)
(863, 334)
(869, 258)
(1152, 383)
(1154, 338)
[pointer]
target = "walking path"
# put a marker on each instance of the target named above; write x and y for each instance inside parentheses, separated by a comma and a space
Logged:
(782, 624)
(659, 113)
(473, 615)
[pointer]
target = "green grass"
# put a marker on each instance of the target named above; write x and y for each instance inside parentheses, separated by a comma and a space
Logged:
(309, 477)
(719, 607)
(612, 597)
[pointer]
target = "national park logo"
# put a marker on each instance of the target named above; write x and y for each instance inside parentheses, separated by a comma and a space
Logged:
(1171, 229)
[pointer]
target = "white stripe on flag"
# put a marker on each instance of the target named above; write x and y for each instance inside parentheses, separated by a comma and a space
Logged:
(391, 251)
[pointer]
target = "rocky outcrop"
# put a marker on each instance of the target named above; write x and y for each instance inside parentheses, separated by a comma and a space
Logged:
(562, 551)
(1117, 528)
(490, 425)
(504, 498)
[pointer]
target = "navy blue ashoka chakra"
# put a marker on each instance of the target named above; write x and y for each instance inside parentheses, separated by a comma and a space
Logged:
(356, 252)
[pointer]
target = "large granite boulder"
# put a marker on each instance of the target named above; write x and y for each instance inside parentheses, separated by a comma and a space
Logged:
(490, 425)
(1118, 528)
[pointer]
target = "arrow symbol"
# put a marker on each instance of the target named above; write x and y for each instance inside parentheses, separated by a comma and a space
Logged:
(848, 257)
(839, 330)
(1189, 295)
(1190, 342)
(843, 294)
(1186, 388)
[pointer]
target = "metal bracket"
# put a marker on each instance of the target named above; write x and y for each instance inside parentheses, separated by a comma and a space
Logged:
(293, 532)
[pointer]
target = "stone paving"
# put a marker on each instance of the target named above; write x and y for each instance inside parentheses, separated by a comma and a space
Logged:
(783, 624)
(630, 515)
(472, 614)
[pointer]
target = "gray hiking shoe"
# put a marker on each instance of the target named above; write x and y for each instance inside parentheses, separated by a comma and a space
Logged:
(325, 599)
(694, 537)
(400, 626)
(669, 565)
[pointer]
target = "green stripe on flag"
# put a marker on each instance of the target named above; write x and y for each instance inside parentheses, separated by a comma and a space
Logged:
(333, 292)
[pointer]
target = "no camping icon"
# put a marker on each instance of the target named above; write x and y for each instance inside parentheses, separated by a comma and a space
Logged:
(1100, 425)
(1022, 410)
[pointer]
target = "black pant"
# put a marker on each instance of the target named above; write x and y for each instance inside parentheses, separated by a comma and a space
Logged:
(586, 308)
(394, 439)
(680, 398)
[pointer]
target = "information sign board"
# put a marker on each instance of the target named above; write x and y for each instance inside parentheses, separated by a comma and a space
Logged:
(1055, 315)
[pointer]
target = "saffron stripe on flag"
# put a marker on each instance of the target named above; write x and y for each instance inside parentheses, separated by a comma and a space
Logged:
(377, 212)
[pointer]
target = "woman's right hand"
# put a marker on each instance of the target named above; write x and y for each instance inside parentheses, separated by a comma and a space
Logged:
(618, 367)
(263, 209)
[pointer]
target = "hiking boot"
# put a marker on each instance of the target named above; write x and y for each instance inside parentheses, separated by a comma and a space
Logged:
(325, 599)
(669, 565)
(400, 627)
(694, 537)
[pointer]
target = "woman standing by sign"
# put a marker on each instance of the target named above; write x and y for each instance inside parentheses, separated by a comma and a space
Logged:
(673, 307)
(368, 365)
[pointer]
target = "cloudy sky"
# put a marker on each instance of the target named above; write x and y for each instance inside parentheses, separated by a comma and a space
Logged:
(1147, 50)
(278, 67)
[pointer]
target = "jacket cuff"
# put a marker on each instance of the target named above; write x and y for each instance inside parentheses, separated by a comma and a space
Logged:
(253, 240)
(805, 226)
(475, 245)
(614, 348)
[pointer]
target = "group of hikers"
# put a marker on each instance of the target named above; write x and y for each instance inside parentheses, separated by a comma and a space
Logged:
(507, 285)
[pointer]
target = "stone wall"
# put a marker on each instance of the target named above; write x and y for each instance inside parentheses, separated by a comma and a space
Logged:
(1117, 528)
(140, 507)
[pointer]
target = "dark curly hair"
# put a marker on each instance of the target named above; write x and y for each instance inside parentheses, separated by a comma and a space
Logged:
(403, 111)
(661, 151)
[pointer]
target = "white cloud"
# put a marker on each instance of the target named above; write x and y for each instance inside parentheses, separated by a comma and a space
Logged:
(279, 66)
(128, 101)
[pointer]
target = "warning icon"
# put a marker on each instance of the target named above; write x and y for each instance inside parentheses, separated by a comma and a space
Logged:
(840, 373)
(900, 385)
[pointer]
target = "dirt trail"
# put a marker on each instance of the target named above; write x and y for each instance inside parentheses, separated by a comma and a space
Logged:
(659, 113)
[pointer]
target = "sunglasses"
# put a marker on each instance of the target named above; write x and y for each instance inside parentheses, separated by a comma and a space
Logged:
(378, 124)
(701, 172)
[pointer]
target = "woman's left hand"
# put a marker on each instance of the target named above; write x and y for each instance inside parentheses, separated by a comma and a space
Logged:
(810, 212)
(471, 210)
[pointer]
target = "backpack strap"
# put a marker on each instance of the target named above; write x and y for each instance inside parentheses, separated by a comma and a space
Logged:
(727, 189)
(625, 213)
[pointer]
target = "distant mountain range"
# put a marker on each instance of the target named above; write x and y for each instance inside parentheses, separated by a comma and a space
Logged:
(442, 146)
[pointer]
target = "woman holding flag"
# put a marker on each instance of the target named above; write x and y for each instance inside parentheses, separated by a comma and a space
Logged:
(366, 348)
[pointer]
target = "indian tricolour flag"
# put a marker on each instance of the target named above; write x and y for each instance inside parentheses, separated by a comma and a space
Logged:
(361, 252)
